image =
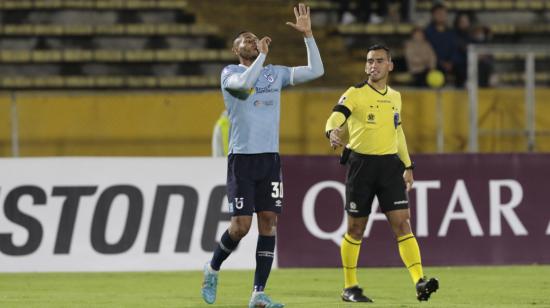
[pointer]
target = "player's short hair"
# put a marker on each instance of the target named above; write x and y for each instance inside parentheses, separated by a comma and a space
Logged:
(380, 47)
(240, 33)
(238, 36)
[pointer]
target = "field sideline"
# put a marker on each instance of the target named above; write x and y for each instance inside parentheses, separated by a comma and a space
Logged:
(502, 286)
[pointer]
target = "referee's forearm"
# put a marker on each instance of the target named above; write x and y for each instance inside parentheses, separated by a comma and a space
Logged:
(402, 150)
(336, 119)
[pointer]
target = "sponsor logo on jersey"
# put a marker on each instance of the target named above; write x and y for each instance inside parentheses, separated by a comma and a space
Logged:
(341, 100)
(263, 103)
(267, 89)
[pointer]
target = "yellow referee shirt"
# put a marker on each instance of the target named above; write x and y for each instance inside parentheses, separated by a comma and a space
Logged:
(373, 118)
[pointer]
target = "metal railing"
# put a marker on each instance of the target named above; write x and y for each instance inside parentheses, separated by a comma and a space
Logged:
(529, 52)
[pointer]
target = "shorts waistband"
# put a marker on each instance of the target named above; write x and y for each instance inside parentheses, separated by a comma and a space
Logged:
(372, 155)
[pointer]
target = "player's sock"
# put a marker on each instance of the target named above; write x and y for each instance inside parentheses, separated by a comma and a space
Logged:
(410, 254)
(223, 250)
(265, 251)
(349, 251)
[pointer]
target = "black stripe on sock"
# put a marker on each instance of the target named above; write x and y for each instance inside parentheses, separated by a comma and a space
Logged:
(408, 238)
(349, 267)
(351, 242)
(417, 263)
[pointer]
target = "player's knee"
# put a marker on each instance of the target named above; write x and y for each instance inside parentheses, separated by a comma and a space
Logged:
(239, 230)
(356, 231)
(268, 227)
(402, 228)
(267, 224)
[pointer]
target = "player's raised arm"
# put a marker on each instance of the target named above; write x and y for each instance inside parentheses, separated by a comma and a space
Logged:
(314, 68)
(252, 53)
(303, 20)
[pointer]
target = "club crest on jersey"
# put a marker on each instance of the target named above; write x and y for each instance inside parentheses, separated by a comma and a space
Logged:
(269, 77)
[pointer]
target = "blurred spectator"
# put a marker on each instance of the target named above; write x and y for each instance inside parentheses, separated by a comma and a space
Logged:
(220, 136)
(372, 11)
(462, 31)
(442, 39)
(482, 35)
(398, 11)
(420, 57)
(368, 13)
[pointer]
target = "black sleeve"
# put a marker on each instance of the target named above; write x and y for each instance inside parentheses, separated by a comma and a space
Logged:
(343, 109)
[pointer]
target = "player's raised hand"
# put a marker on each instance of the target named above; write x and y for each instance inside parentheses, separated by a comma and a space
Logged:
(303, 20)
(263, 44)
(335, 139)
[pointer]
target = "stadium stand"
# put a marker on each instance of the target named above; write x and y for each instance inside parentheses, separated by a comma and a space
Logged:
(107, 44)
(177, 43)
(505, 22)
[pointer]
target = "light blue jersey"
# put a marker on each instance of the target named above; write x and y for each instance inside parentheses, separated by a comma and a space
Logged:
(252, 97)
(255, 115)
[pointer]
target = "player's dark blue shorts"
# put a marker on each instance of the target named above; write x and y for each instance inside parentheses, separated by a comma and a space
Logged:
(254, 183)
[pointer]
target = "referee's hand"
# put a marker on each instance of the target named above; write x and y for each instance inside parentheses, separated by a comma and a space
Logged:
(408, 177)
(334, 138)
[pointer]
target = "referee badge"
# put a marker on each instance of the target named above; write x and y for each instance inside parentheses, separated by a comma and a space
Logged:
(396, 119)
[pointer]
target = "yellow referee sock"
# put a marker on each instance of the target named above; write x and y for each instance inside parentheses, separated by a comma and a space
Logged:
(410, 254)
(349, 251)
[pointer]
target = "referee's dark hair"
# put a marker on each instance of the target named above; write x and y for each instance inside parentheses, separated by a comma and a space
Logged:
(378, 47)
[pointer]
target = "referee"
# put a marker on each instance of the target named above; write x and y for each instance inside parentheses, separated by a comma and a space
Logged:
(378, 165)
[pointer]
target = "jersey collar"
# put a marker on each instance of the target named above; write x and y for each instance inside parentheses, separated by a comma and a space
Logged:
(384, 93)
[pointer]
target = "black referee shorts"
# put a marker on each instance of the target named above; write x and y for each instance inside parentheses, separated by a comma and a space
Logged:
(375, 175)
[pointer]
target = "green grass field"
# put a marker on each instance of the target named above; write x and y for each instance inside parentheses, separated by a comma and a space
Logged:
(510, 286)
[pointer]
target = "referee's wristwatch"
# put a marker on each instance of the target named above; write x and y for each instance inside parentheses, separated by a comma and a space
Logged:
(411, 167)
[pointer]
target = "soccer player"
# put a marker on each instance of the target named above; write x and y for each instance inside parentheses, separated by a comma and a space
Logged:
(378, 165)
(252, 96)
